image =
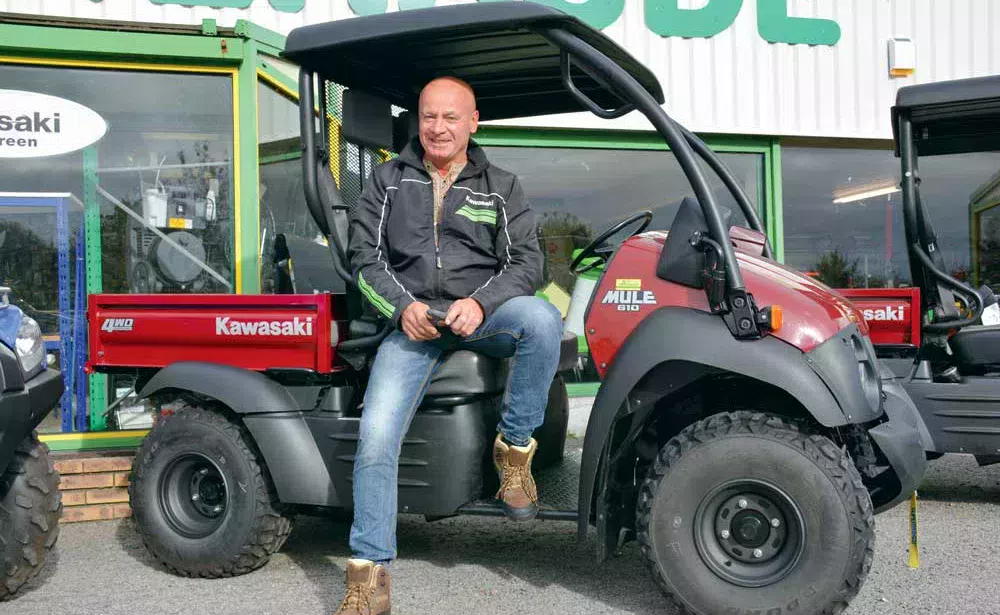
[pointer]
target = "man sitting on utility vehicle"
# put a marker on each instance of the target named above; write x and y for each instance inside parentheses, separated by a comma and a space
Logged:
(442, 229)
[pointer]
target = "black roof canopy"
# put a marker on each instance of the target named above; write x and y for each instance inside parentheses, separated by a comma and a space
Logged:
(498, 47)
(950, 117)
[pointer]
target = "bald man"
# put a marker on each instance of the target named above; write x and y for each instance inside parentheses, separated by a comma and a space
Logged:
(441, 228)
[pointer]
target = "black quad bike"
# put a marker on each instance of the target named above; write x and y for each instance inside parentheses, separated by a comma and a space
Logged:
(745, 446)
(953, 376)
(30, 502)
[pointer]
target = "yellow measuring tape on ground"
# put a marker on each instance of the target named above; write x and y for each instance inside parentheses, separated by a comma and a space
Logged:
(914, 551)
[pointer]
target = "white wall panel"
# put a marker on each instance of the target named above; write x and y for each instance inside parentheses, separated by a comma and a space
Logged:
(734, 82)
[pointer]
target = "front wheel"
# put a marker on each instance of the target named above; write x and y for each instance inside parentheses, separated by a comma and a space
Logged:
(201, 498)
(747, 512)
(30, 507)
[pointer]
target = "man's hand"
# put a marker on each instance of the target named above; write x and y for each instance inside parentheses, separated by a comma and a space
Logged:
(464, 316)
(417, 324)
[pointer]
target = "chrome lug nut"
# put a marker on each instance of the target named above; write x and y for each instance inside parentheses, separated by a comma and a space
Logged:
(195, 497)
(725, 534)
(742, 503)
(758, 553)
(775, 522)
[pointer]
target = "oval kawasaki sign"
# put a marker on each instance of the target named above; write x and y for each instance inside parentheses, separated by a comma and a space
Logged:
(34, 125)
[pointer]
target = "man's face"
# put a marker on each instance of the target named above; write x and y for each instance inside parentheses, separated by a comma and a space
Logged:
(447, 117)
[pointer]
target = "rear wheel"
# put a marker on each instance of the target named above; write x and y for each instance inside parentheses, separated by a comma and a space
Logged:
(201, 499)
(30, 507)
(748, 512)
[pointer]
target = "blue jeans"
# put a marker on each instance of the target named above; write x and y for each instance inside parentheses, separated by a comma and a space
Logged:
(529, 329)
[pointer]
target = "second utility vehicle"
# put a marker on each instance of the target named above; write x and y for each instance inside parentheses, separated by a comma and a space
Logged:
(30, 502)
(943, 337)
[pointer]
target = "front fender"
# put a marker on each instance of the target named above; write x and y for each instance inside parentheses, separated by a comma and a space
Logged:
(700, 342)
(271, 415)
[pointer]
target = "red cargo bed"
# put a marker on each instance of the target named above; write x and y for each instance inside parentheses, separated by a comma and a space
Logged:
(892, 314)
(251, 331)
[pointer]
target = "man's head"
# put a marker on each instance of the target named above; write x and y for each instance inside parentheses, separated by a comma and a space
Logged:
(448, 115)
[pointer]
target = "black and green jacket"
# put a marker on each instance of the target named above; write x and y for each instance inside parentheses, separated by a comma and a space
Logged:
(487, 242)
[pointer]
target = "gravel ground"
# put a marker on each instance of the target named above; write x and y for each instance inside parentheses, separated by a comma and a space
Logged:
(467, 565)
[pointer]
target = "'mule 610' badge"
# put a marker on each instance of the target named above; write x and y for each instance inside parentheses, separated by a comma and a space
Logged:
(628, 295)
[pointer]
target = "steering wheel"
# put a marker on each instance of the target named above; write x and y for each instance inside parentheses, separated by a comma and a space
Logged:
(605, 252)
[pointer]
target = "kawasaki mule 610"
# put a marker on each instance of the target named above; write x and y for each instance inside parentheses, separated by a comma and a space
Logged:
(743, 432)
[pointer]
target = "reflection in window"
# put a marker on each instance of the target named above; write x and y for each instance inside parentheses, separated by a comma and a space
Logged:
(288, 232)
(283, 208)
(578, 193)
(29, 258)
(986, 231)
(843, 212)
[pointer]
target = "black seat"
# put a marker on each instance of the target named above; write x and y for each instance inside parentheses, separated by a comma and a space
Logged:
(465, 373)
(977, 345)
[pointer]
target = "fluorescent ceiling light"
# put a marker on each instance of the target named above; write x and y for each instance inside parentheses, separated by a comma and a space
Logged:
(867, 194)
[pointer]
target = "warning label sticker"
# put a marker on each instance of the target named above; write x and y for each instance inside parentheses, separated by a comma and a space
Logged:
(628, 284)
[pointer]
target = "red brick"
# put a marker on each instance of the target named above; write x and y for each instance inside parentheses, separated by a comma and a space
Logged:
(74, 498)
(100, 512)
(69, 466)
(107, 464)
(106, 496)
(87, 481)
(121, 479)
(122, 511)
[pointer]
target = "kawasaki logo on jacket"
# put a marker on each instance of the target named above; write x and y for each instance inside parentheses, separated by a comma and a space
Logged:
(487, 248)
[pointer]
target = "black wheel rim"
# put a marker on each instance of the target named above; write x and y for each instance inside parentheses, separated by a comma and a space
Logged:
(749, 532)
(194, 496)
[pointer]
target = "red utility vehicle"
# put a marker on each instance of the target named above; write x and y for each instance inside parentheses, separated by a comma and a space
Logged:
(743, 433)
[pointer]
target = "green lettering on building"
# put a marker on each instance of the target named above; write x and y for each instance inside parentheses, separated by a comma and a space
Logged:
(288, 6)
(774, 25)
(666, 18)
(282, 6)
(377, 7)
(596, 13)
(215, 4)
(368, 7)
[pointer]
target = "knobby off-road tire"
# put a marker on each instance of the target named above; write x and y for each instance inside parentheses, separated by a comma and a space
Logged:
(201, 497)
(726, 483)
(30, 507)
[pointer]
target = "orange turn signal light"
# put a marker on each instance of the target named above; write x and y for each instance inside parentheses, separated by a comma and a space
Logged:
(776, 317)
(770, 318)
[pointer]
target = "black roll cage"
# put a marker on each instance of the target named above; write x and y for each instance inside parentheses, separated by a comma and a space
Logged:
(936, 285)
(737, 305)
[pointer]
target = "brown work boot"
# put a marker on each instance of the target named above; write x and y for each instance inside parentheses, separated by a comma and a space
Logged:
(367, 589)
(517, 486)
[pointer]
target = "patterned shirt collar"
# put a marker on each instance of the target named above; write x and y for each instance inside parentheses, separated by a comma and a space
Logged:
(442, 183)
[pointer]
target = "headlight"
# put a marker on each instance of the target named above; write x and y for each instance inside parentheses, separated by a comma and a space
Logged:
(868, 370)
(30, 347)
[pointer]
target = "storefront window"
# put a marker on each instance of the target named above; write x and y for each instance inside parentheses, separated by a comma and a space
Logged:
(285, 221)
(578, 193)
(159, 177)
(166, 157)
(843, 213)
(283, 208)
